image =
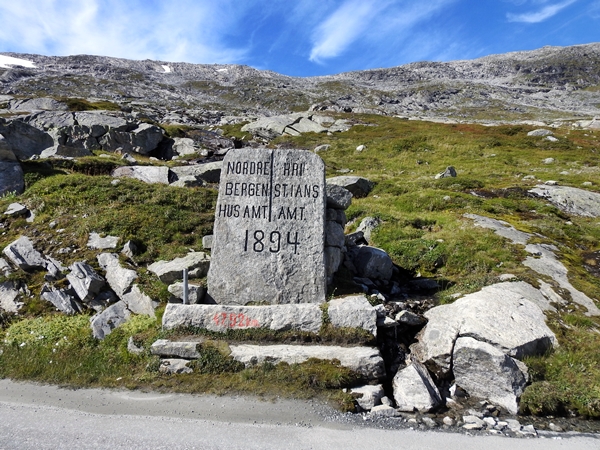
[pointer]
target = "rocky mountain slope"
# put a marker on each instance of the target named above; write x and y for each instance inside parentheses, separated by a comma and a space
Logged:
(546, 83)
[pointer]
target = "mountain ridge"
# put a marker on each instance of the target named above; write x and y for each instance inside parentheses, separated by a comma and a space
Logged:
(540, 84)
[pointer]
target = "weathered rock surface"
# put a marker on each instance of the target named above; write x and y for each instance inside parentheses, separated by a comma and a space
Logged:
(120, 279)
(143, 139)
(353, 312)
(488, 373)
(138, 302)
(338, 197)
(303, 317)
(364, 360)
(500, 315)
(571, 200)
(450, 172)
(16, 209)
(64, 151)
(358, 186)
(414, 389)
(543, 261)
(334, 234)
(85, 281)
(102, 243)
(22, 254)
(540, 132)
(147, 174)
(195, 292)
(368, 225)
(174, 366)
(197, 264)
(174, 349)
(11, 173)
(370, 395)
(371, 262)
(10, 295)
(23, 139)
(103, 323)
(62, 300)
(207, 172)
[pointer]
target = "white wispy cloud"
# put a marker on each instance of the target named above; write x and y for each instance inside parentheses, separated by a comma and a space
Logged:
(176, 30)
(379, 24)
(342, 28)
(539, 15)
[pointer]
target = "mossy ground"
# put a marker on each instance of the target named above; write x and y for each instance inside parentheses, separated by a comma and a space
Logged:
(423, 230)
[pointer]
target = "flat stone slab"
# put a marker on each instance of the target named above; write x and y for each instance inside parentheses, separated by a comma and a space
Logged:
(366, 361)
(305, 317)
(269, 228)
(196, 263)
(571, 200)
(172, 349)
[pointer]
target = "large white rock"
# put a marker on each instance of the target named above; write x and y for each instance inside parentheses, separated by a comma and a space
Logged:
(486, 372)
(501, 315)
(138, 302)
(197, 264)
(353, 312)
(119, 278)
(303, 317)
(147, 174)
(364, 360)
(95, 241)
(208, 172)
(414, 389)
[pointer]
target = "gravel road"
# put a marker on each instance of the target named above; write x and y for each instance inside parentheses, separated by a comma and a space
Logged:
(47, 417)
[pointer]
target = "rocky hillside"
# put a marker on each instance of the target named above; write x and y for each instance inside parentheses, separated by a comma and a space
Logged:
(548, 83)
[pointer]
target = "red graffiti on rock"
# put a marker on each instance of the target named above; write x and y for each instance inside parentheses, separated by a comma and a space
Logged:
(233, 320)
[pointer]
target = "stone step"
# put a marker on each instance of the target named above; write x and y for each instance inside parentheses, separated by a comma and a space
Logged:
(347, 312)
(366, 361)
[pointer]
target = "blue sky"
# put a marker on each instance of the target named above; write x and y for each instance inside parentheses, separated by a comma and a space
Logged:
(295, 37)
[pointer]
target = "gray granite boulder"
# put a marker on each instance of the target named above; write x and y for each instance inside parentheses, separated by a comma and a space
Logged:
(139, 303)
(10, 297)
(22, 254)
(367, 225)
(65, 151)
(11, 173)
(371, 262)
(338, 197)
(197, 264)
(174, 349)
(119, 278)
(540, 132)
(450, 172)
(143, 139)
(353, 312)
(486, 372)
(370, 395)
(62, 300)
(207, 172)
(16, 210)
(358, 186)
(86, 283)
(196, 293)
(334, 234)
(500, 315)
(24, 140)
(364, 360)
(37, 104)
(414, 389)
(103, 323)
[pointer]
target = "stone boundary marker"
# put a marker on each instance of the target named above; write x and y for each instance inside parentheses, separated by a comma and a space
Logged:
(269, 229)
